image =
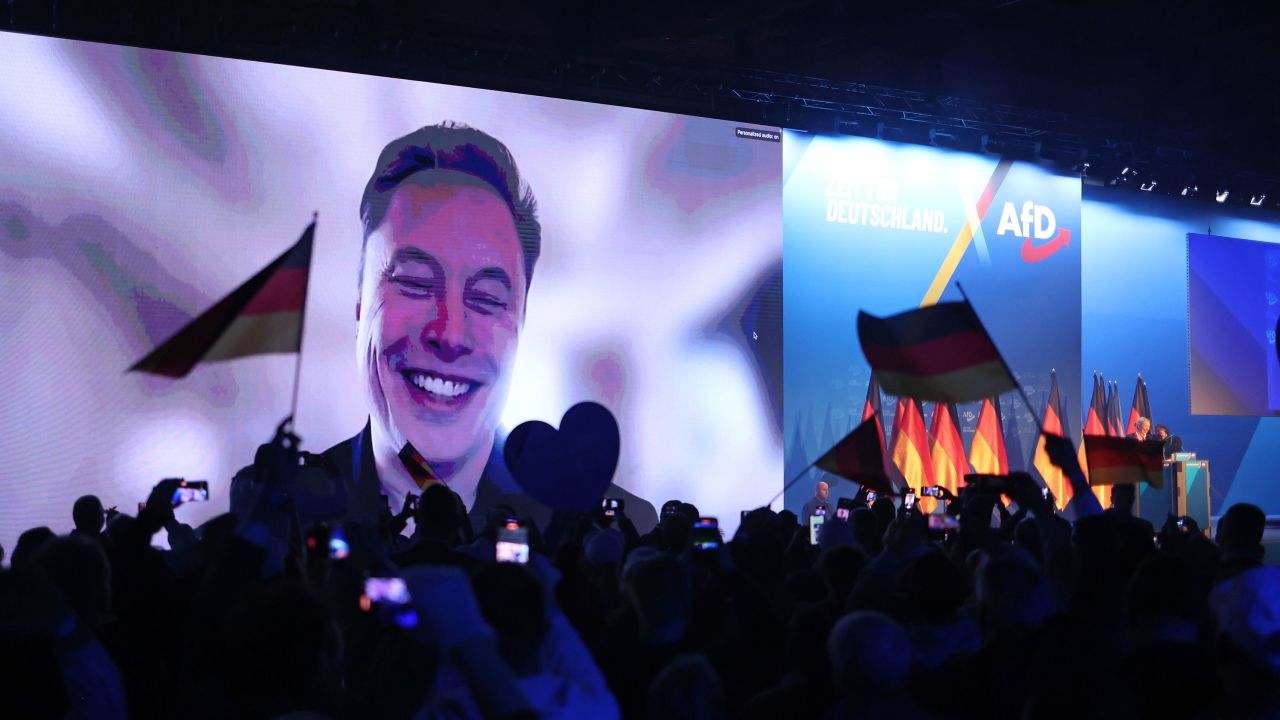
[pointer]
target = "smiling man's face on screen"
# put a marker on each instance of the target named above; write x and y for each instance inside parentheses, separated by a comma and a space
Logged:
(442, 296)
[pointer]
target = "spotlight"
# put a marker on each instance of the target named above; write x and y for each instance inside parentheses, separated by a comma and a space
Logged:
(1257, 200)
(1222, 195)
(1190, 190)
(1148, 186)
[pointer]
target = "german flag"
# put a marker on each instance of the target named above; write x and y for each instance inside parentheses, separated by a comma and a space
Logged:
(940, 353)
(260, 317)
(910, 445)
(1115, 428)
(872, 409)
(1053, 477)
(1093, 426)
(1119, 461)
(1141, 407)
(418, 467)
(859, 457)
(987, 454)
(946, 448)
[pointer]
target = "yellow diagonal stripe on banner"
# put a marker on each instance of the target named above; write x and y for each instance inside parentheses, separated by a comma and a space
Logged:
(952, 261)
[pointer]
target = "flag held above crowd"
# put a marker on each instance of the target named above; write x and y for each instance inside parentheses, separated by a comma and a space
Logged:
(1121, 461)
(260, 317)
(859, 457)
(940, 353)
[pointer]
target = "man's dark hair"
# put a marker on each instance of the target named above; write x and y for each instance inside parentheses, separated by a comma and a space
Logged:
(78, 565)
(1241, 527)
(1163, 427)
(457, 147)
(512, 601)
(437, 514)
(87, 514)
(29, 542)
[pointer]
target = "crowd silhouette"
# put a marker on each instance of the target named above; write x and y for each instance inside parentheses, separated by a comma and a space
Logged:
(1016, 614)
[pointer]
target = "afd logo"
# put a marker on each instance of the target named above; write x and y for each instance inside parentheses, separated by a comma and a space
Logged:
(1037, 226)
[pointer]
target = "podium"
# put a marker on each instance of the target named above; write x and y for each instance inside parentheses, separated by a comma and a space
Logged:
(1185, 492)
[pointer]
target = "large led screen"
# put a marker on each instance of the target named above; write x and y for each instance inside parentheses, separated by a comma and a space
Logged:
(139, 187)
(1232, 291)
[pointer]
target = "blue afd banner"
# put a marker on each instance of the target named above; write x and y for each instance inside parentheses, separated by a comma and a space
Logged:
(883, 227)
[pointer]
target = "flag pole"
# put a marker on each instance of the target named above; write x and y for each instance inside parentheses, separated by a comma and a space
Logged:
(1035, 415)
(302, 329)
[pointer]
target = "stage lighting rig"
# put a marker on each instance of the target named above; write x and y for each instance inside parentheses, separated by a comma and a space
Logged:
(1222, 195)
(1126, 174)
(1148, 186)
(1257, 200)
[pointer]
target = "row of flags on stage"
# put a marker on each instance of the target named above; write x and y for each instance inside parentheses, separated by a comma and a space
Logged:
(915, 455)
(942, 353)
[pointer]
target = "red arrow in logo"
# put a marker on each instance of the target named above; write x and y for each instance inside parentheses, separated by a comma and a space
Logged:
(1036, 253)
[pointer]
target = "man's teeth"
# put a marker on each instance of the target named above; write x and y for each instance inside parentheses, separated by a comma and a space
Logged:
(440, 386)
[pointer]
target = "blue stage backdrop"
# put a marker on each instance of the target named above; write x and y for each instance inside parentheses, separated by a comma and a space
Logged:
(882, 227)
(1135, 320)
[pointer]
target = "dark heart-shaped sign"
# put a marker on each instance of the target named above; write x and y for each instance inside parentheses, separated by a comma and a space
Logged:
(569, 468)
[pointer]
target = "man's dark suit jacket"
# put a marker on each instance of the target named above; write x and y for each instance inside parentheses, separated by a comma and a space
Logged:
(355, 465)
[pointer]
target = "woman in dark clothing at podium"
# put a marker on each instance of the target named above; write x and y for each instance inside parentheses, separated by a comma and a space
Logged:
(1172, 443)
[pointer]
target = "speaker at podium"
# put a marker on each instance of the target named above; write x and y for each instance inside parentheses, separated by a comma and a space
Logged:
(1185, 492)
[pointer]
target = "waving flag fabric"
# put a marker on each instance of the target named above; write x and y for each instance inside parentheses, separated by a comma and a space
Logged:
(859, 457)
(940, 352)
(1117, 461)
(262, 316)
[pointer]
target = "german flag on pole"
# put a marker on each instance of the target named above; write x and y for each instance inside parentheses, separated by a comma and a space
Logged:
(1119, 461)
(910, 445)
(872, 409)
(1093, 426)
(418, 467)
(1052, 475)
(947, 448)
(987, 454)
(859, 457)
(940, 353)
(1112, 418)
(1141, 407)
(262, 316)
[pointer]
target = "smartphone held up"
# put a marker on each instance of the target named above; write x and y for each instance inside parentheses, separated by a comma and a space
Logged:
(189, 491)
(706, 534)
(512, 543)
(390, 597)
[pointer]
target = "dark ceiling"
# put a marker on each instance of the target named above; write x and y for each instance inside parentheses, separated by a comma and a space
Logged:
(1193, 80)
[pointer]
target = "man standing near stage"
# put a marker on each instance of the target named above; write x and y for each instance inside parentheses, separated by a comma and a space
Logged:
(1123, 496)
(1172, 443)
(819, 500)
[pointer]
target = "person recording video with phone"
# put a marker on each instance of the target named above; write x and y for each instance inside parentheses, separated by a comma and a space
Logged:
(451, 241)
